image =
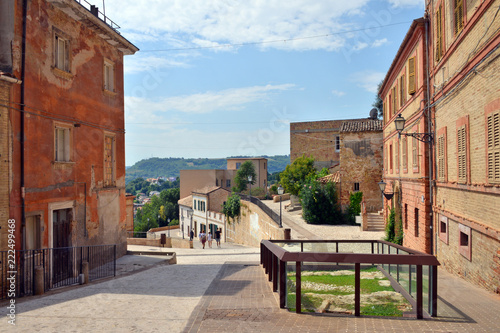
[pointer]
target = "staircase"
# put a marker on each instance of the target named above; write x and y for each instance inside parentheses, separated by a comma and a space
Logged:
(375, 221)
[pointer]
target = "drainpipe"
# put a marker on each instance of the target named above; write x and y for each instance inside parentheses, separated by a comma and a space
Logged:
(23, 70)
(429, 130)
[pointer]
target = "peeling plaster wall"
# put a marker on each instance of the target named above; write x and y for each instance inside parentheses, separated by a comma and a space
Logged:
(75, 99)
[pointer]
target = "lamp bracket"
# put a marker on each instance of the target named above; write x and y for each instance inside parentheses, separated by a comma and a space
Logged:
(424, 137)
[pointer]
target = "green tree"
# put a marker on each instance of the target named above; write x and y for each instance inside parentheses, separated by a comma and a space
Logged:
(241, 179)
(378, 103)
(300, 172)
(319, 203)
(231, 208)
(354, 209)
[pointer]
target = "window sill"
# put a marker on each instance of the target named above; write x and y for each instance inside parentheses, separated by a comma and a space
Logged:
(109, 93)
(60, 165)
(62, 74)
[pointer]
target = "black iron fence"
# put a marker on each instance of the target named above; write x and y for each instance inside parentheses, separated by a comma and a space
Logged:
(22, 272)
(412, 273)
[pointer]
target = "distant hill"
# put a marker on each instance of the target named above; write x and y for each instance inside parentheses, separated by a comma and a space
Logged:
(171, 167)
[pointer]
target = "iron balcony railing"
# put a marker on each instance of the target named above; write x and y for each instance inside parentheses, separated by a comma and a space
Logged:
(59, 266)
(412, 273)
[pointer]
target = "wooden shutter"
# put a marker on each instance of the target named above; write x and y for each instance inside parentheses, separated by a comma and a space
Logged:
(439, 33)
(441, 158)
(462, 154)
(411, 76)
(494, 148)
(402, 89)
(458, 15)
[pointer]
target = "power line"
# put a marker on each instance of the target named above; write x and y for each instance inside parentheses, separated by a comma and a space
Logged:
(273, 41)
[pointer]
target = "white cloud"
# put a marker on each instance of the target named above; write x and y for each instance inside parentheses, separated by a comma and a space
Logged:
(223, 21)
(379, 42)
(407, 3)
(141, 63)
(367, 80)
(338, 93)
(207, 102)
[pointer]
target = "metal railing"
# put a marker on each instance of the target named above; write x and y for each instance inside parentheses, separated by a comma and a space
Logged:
(272, 214)
(59, 267)
(91, 8)
(412, 273)
(142, 234)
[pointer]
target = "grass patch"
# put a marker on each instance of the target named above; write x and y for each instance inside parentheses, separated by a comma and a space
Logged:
(334, 289)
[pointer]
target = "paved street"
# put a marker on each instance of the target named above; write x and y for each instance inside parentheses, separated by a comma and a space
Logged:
(225, 290)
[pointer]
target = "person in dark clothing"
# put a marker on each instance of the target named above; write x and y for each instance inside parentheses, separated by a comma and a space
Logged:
(217, 237)
(191, 235)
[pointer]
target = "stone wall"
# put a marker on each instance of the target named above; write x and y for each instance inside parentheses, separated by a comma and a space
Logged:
(253, 226)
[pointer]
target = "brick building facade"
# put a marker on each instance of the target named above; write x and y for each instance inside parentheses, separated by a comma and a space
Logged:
(465, 90)
(460, 108)
(65, 136)
(406, 159)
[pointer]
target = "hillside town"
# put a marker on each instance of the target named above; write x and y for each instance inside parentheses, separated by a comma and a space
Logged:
(381, 223)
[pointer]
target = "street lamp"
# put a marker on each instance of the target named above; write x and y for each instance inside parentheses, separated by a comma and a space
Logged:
(382, 186)
(168, 225)
(159, 220)
(399, 122)
(280, 192)
(250, 182)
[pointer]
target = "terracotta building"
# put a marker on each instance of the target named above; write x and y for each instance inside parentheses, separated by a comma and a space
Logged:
(195, 179)
(406, 159)
(457, 186)
(62, 125)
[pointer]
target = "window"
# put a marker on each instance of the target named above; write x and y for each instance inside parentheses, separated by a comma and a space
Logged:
(493, 123)
(390, 157)
(416, 222)
(402, 89)
(356, 187)
(395, 98)
(458, 10)
(264, 165)
(439, 33)
(441, 157)
(406, 216)
(33, 233)
(462, 154)
(238, 164)
(62, 143)
(396, 156)
(109, 76)
(386, 116)
(415, 154)
(109, 160)
(412, 81)
(443, 228)
(337, 143)
(228, 182)
(404, 148)
(465, 246)
(61, 52)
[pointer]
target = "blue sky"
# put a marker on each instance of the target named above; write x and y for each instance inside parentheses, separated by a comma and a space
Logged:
(218, 78)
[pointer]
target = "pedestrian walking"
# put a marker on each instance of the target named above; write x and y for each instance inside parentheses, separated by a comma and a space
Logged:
(209, 239)
(203, 238)
(191, 235)
(217, 237)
